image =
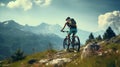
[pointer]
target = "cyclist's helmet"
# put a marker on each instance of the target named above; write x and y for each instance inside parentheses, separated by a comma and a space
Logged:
(67, 18)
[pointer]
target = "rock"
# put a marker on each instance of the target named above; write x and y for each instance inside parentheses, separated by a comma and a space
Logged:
(85, 51)
(105, 52)
(58, 61)
(66, 59)
(102, 42)
(89, 49)
(32, 61)
(110, 50)
(117, 51)
(100, 53)
(58, 54)
(43, 61)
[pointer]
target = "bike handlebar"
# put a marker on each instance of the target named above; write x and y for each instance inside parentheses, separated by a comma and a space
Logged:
(65, 31)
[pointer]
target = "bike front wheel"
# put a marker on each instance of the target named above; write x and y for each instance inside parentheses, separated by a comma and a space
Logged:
(66, 43)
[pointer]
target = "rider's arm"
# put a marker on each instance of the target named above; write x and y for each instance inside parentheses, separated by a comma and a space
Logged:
(64, 27)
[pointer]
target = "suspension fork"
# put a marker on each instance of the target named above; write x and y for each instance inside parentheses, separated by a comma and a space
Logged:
(68, 44)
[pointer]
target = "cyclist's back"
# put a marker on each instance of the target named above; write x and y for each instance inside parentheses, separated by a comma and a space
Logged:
(71, 23)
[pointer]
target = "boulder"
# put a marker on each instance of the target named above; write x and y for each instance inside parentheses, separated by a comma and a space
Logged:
(89, 49)
(59, 61)
(43, 61)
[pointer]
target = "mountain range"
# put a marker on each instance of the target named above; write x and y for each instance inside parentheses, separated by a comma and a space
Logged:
(14, 36)
(45, 28)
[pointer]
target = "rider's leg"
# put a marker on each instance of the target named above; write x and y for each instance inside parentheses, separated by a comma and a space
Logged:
(73, 37)
(68, 41)
(74, 31)
(69, 38)
(70, 32)
(73, 40)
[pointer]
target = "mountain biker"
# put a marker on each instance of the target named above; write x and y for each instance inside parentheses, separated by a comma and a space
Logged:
(71, 23)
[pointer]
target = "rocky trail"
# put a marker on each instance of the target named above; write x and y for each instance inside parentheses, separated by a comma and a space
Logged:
(59, 59)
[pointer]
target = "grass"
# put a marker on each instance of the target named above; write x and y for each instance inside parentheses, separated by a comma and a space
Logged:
(24, 62)
(107, 60)
(97, 61)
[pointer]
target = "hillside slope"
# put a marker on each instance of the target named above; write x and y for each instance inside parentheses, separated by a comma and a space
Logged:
(109, 56)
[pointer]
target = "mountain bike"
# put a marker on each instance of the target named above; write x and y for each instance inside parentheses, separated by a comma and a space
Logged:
(74, 42)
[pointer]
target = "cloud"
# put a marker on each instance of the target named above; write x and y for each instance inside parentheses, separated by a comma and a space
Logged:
(42, 2)
(25, 4)
(110, 19)
(2, 4)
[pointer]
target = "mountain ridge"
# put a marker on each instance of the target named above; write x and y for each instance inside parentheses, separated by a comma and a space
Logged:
(14, 37)
(45, 28)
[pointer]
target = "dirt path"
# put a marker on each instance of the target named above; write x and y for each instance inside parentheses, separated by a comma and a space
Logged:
(59, 59)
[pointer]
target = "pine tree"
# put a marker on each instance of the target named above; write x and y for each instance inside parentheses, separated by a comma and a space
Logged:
(91, 36)
(99, 38)
(90, 39)
(18, 55)
(109, 33)
(105, 36)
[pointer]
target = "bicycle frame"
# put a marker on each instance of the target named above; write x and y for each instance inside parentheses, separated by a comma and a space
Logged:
(71, 42)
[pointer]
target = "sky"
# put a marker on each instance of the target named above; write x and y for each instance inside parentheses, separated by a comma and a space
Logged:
(87, 13)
